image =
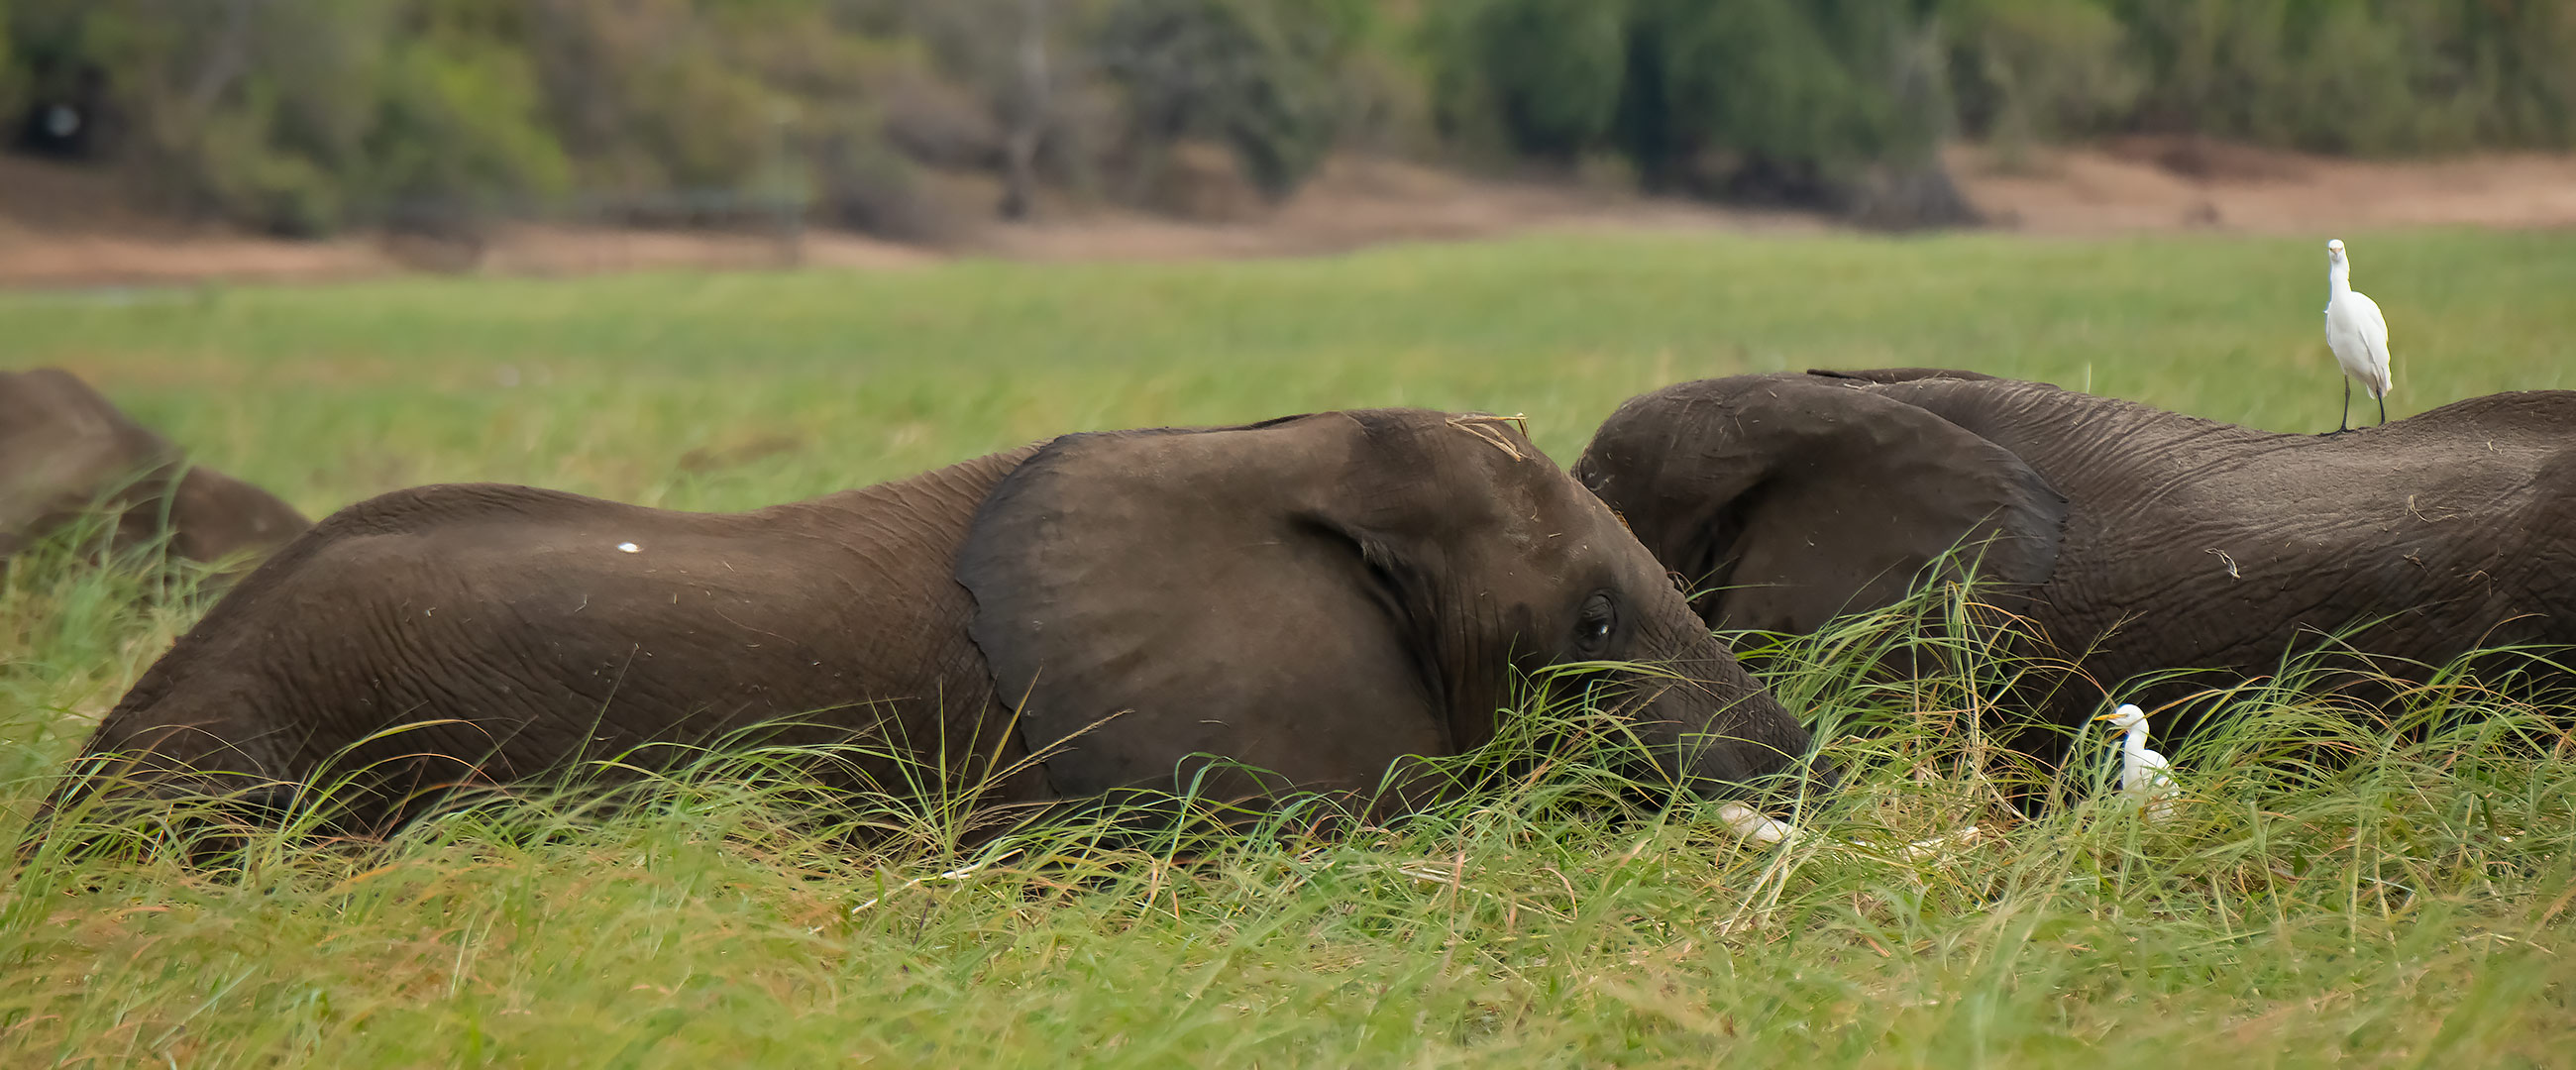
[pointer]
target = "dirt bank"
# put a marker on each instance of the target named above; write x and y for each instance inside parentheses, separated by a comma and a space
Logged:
(2170, 183)
(65, 226)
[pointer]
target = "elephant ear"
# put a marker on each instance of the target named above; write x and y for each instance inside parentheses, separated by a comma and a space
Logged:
(1143, 597)
(1800, 498)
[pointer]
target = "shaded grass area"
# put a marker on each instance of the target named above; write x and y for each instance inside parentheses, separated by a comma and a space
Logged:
(2343, 884)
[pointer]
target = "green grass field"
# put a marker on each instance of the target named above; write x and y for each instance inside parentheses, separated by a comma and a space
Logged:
(2343, 886)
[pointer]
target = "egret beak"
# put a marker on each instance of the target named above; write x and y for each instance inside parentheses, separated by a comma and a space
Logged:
(2108, 717)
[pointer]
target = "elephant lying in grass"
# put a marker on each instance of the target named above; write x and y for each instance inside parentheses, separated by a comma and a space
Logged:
(64, 451)
(1313, 596)
(2170, 541)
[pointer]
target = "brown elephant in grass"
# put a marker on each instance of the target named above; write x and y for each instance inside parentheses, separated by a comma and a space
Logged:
(65, 451)
(2170, 541)
(1315, 597)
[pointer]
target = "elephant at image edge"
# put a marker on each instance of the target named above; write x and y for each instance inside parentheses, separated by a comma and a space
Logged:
(64, 450)
(2191, 543)
(1315, 596)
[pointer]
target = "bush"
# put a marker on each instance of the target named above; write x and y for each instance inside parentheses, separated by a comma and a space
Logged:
(2393, 77)
(1542, 76)
(1826, 103)
(1758, 99)
(298, 116)
(13, 80)
(1263, 76)
(644, 100)
(2028, 71)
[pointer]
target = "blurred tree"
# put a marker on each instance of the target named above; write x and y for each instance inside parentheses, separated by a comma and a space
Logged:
(301, 116)
(1821, 102)
(1545, 76)
(456, 128)
(1263, 76)
(642, 95)
(13, 78)
(2384, 77)
(1021, 59)
(296, 115)
(2029, 71)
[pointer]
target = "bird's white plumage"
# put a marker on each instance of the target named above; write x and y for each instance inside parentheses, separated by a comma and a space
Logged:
(2143, 777)
(1750, 824)
(2355, 330)
(1753, 826)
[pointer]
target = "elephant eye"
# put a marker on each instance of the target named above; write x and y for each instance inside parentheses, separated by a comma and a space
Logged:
(1593, 627)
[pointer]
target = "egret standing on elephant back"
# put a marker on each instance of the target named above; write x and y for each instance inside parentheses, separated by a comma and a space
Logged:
(2357, 334)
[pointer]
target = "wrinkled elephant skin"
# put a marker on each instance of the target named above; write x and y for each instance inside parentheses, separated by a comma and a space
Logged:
(1315, 597)
(2175, 542)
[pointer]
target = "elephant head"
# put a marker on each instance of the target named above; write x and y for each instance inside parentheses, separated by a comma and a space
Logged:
(65, 450)
(1790, 498)
(1296, 595)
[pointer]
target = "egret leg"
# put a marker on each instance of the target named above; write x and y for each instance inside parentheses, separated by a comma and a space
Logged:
(2383, 410)
(2345, 424)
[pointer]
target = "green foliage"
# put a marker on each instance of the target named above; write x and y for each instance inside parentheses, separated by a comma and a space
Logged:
(13, 76)
(2388, 77)
(1544, 74)
(1762, 97)
(1264, 76)
(459, 121)
(2404, 902)
(299, 115)
(1826, 101)
(303, 116)
(1802, 91)
(2029, 71)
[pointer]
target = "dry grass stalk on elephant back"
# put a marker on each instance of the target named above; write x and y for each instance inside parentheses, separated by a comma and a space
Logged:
(1484, 426)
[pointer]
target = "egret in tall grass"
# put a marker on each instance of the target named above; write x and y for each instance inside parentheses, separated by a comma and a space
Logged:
(2357, 333)
(1753, 826)
(2142, 771)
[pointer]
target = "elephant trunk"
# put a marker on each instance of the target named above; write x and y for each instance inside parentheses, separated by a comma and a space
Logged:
(1717, 730)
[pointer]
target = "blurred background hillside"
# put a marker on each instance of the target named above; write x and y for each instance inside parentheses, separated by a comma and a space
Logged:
(916, 121)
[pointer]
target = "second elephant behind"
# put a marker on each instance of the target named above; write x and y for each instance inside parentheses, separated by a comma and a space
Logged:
(2172, 541)
(66, 450)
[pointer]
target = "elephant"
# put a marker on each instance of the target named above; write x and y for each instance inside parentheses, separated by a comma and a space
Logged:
(2136, 540)
(64, 451)
(1313, 597)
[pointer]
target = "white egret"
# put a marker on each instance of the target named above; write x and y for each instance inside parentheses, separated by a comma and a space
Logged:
(2142, 771)
(2357, 333)
(1750, 824)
